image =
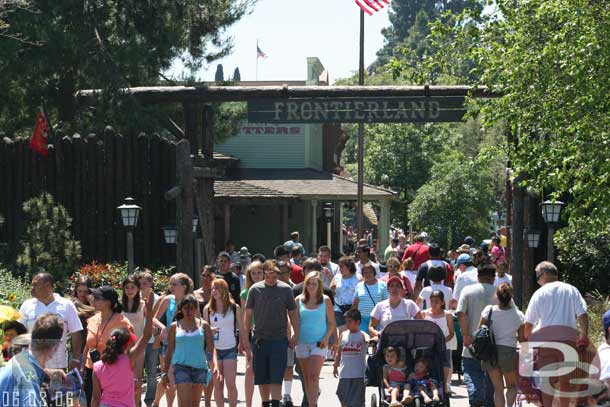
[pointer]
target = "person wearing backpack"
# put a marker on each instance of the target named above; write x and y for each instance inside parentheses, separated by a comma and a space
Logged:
(507, 324)
(472, 301)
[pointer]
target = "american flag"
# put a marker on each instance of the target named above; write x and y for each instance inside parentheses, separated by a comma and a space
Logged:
(259, 53)
(372, 6)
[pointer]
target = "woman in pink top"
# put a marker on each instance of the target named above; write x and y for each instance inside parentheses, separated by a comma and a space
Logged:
(113, 375)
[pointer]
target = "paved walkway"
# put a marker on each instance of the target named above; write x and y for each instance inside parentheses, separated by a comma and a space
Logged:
(328, 386)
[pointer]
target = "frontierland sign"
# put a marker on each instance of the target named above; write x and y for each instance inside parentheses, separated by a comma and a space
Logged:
(358, 110)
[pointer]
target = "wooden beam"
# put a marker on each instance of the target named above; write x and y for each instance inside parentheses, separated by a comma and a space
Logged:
(203, 94)
(205, 189)
(184, 208)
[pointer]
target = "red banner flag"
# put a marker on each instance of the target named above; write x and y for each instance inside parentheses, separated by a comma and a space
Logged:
(39, 141)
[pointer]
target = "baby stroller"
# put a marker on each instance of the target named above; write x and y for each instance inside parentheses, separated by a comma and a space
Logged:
(413, 339)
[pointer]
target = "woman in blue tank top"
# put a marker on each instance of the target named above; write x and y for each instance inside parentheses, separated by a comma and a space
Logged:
(189, 338)
(179, 286)
(317, 325)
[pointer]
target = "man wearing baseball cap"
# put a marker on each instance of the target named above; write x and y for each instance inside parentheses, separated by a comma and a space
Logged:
(468, 276)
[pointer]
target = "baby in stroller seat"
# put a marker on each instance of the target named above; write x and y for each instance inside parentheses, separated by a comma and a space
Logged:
(397, 382)
(421, 383)
(395, 377)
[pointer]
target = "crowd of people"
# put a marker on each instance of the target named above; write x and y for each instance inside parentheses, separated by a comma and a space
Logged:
(289, 313)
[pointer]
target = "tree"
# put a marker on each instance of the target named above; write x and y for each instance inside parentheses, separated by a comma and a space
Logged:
(236, 75)
(48, 244)
(548, 60)
(457, 200)
(408, 18)
(219, 76)
(108, 45)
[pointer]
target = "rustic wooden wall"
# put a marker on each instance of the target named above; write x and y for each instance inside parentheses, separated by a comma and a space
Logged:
(91, 175)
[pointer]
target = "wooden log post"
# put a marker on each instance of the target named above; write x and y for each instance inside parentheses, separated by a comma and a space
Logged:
(205, 187)
(516, 259)
(183, 193)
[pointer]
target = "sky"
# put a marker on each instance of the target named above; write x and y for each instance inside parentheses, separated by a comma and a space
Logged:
(289, 31)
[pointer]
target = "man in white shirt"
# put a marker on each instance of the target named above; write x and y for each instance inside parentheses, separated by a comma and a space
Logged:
(363, 253)
(46, 301)
(329, 269)
(555, 303)
(467, 276)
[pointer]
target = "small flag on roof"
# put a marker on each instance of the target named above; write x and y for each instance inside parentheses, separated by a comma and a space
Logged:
(260, 53)
(372, 6)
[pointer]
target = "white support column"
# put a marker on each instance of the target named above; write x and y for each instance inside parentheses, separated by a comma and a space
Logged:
(340, 248)
(384, 225)
(314, 226)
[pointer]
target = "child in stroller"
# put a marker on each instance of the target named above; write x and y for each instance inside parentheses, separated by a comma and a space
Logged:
(412, 340)
(395, 378)
(421, 382)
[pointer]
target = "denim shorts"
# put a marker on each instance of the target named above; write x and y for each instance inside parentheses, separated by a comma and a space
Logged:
(305, 350)
(226, 354)
(187, 374)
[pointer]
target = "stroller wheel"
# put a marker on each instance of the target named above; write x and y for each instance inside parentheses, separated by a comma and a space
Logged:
(373, 400)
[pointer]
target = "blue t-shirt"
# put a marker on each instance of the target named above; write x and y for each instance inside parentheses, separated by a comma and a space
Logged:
(20, 381)
(370, 295)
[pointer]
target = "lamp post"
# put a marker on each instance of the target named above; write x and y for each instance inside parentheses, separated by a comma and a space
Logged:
(129, 215)
(551, 212)
(328, 214)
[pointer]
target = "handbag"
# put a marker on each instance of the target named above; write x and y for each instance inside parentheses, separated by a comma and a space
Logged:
(483, 345)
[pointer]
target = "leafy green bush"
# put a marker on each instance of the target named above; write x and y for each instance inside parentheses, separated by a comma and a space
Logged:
(597, 304)
(584, 255)
(48, 244)
(13, 290)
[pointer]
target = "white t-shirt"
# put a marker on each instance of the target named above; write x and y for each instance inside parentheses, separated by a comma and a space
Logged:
(65, 311)
(469, 277)
(504, 324)
(506, 278)
(555, 303)
(385, 314)
(426, 292)
(375, 265)
(411, 275)
(604, 360)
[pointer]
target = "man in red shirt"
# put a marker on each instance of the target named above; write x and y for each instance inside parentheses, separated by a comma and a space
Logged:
(418, 251)
(282, 253)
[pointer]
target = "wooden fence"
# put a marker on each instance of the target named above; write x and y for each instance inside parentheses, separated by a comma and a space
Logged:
(91, 175)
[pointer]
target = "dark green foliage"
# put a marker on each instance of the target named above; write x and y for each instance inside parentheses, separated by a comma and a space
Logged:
(219, 76)
(236, 75)
(48, 244)
(50, 49)
(548, 59)
(457, 199)
(409, 28)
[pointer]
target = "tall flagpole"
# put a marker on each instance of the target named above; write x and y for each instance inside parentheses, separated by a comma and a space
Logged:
(361, 137)
(257, 60)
